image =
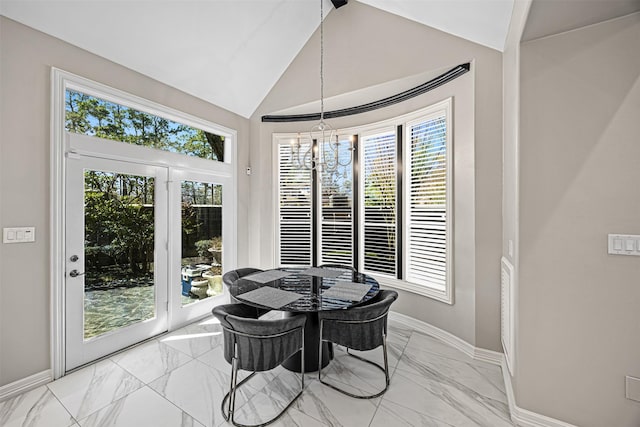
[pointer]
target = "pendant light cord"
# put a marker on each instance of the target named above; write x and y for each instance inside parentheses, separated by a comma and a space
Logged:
(321, 61)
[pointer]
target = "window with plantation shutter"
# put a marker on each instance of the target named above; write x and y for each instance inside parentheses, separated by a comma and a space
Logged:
(427, 201)
(388, 213)
(294, 209)
(379, 204)
(336, 216)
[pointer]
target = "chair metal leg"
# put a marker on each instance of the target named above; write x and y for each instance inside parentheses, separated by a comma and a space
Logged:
(386, 359)
(384, 369)
(231, 395)
(320, 341)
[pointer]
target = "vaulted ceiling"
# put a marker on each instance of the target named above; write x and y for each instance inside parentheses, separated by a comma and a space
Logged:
(230, 52)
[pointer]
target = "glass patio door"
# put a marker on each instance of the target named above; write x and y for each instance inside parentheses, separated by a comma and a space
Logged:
(115, 256)
(201, 242)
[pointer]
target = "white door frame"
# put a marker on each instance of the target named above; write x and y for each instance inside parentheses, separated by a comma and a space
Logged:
(60, 82)
(179, 314)
(78, 349)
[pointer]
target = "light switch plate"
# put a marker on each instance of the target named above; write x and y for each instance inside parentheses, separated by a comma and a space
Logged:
(624, 244)
(633, 388)
(18, 234)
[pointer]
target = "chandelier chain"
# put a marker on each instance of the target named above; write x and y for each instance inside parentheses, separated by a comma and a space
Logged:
(321, 60)
(323, 153)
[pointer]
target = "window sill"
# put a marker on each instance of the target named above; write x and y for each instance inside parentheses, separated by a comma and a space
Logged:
(442, 296)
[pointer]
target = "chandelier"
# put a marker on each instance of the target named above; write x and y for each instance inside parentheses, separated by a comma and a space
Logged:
(323, 153)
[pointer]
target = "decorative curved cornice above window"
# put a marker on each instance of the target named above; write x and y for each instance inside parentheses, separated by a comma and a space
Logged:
(443, 78)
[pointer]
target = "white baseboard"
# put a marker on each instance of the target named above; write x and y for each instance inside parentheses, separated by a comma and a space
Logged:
(435, 332)
(522, 417)
(25, 384)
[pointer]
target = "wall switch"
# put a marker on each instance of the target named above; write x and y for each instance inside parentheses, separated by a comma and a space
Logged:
(624, 244)
(18, 235)
(633, 388)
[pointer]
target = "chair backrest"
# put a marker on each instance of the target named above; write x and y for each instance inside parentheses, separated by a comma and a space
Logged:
(262, 344)
(233, 275)
(360, 327)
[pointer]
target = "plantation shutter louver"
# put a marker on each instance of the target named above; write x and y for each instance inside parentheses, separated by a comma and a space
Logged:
(294, 207)
(379, 216)
(336, 189)
(426, 262)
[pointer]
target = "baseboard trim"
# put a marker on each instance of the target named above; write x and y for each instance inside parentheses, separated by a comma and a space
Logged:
(524, 417)
(521, 417)
(25, 384)
(436, 332)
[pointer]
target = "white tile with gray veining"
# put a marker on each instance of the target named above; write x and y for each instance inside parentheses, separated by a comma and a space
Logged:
(151, 360)
(142, 407)
(93, 387)
(263, 407)
(391, 414)
(432, 384)
(355, 376)
(195, 339)
(335, 409)
(429, 344)
(446, 400)
(198, 390)
(35, 408)
(473, 377)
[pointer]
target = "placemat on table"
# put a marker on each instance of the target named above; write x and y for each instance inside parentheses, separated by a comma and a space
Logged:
(270, 297)
(267, 276)
(349, 291)
(323, 272)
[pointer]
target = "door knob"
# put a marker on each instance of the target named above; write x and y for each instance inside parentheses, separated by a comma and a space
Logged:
(73, 258)
(75, 273)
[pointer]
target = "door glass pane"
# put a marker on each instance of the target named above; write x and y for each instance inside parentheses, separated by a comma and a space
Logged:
(118, 252)
(201, 241)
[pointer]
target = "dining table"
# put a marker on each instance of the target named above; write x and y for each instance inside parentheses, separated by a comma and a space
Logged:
(306, 291)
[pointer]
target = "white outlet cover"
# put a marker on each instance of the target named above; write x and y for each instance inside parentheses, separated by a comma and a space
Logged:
(633, 388)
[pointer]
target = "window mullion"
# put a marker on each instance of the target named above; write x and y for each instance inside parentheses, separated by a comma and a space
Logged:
(399, 205)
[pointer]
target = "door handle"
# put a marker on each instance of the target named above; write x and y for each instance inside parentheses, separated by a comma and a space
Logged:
(75, 273)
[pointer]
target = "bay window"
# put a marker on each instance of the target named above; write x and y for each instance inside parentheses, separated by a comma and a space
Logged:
(387, 213)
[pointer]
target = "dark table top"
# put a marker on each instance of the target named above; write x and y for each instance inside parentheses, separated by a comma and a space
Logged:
(310, 287)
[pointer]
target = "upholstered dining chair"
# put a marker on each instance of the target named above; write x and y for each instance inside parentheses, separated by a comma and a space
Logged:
(359, 328)
(256, 345)
(232, 275)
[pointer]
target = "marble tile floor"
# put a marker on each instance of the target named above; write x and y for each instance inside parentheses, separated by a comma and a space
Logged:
(179, 379)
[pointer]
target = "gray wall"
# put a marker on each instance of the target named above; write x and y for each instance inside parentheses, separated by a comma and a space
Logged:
(365, 47)
(579, 327)
(27, 56)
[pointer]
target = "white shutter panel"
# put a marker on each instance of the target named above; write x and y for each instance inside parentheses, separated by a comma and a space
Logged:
(294, 209)
(379, 216)
(427, 225)
(336, 219)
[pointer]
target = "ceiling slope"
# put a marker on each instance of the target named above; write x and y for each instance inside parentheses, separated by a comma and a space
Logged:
(229, 52)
